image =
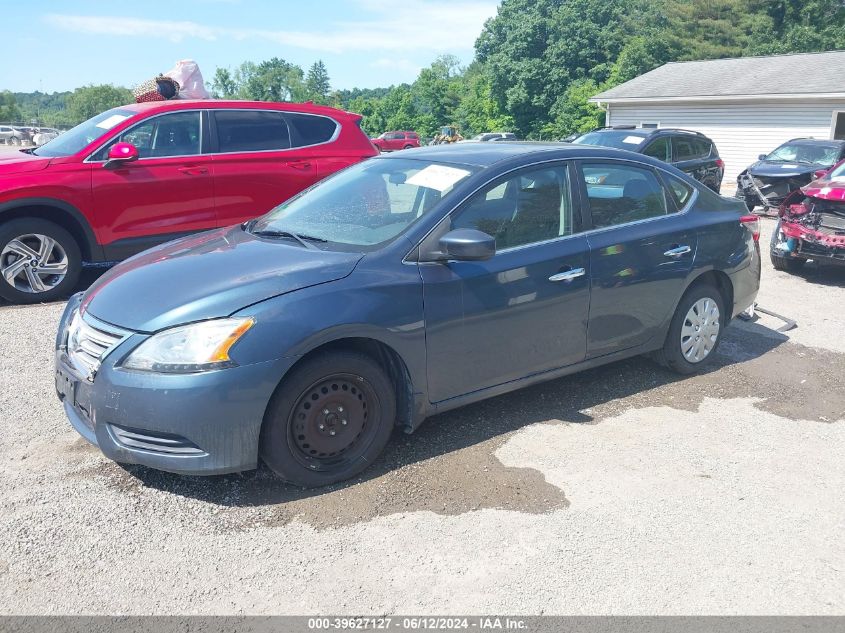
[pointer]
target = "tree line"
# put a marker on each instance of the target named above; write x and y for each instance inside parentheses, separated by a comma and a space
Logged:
(537, 63)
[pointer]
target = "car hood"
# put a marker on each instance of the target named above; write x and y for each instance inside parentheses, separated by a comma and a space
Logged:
(768, 169)
(19, 162)
(206, 276)
(826, 189)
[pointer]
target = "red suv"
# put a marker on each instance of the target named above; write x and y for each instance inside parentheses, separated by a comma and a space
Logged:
(392, 141)
(142, 174)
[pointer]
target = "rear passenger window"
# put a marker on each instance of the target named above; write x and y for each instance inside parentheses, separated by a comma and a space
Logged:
(659, 149)
(619, 194)
(534, 206)
(689, 148)
(681, 190)
(251, 131)
(308, 129)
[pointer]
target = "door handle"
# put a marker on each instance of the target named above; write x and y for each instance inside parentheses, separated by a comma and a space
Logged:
(568, 275)
(300, 164)
(193, 171)
(677, 251)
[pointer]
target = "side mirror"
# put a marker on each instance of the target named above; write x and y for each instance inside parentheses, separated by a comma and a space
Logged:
(762, 157)
(467, 245)
(121, 153)
(821, 173)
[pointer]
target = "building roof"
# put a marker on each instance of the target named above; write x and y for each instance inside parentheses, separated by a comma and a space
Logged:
(775, 76)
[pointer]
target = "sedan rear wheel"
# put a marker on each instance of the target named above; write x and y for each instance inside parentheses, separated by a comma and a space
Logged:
(700, 330)
(695, 331)
(329, 419)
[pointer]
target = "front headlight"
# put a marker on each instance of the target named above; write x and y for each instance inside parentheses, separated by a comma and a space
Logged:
(189, 348)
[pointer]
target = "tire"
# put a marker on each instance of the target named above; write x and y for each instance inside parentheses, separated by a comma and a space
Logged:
(24, 237)
(786, 264)
(408, 147)
(328, 420)
(701, 300)
(13, 140)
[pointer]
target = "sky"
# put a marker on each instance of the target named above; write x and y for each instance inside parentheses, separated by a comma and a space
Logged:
(59, 45)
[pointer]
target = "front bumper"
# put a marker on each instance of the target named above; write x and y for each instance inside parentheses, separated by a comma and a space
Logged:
(796, 240)
(197, 424)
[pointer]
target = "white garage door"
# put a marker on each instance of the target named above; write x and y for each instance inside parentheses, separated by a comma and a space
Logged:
(741, 131)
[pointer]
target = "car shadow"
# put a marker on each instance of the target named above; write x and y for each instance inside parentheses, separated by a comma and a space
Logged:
(822, 274)
(567, 399)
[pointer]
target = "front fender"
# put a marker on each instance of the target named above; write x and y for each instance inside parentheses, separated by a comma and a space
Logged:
(378, 305)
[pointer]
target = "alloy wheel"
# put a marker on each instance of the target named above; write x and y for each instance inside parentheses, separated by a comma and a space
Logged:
(700, 330)
(33, 263)
(330, 422)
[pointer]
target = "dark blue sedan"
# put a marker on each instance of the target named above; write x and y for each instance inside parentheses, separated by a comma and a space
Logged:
(401, 287)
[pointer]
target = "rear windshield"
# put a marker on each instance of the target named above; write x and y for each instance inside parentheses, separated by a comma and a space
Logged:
(620, 139)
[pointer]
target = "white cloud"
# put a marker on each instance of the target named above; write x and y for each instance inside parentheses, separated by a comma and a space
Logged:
(431, 25)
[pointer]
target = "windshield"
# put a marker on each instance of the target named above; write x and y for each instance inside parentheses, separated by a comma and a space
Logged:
(839, 172)
(366, 205)
(76, 139)
(816, 153)
(620, 139)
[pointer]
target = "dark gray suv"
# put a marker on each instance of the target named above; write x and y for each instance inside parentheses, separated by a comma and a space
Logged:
(691, 152)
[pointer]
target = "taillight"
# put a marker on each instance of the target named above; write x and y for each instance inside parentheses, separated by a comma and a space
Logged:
(720, 163)
(753, 224)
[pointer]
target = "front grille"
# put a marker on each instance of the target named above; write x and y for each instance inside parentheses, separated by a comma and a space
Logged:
(773, 190)
(89, 341)
(813, 250)
(155, 442)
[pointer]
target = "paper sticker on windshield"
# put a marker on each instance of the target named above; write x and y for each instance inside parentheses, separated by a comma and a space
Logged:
(113, 120)
(633, 140)
(437, 177)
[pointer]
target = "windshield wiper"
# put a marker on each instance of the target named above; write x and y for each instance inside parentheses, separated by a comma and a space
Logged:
(305, 240)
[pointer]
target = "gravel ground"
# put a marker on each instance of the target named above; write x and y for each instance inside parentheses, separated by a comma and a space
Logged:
(621, 490)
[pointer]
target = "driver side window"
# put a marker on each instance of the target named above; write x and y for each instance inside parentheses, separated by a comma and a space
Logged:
(176, 134)
(533, 206)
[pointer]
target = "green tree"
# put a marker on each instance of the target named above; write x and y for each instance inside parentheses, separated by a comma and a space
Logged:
(271, 80)
(317, 85)
(85, 102)
(9, 110)
(223, 85)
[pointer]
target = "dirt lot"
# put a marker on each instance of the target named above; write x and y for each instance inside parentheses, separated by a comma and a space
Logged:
(621, 490)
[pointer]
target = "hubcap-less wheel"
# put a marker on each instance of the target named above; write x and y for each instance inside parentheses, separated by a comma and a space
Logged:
(700, 330)
(329, 422)
(33, 263)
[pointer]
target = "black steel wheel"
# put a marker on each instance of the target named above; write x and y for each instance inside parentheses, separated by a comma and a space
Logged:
(329, 419)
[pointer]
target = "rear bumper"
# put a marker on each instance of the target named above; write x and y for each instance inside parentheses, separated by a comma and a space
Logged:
(746, 284)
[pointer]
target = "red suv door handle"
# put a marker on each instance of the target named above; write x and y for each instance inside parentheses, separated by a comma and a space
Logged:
(299, 164)
(193, 171)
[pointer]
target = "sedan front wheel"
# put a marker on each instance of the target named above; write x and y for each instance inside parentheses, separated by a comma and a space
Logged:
(329, 419)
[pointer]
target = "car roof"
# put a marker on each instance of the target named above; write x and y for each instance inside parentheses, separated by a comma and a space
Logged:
(489, 154)
(647, 131)
(815, 141)
(223, 104)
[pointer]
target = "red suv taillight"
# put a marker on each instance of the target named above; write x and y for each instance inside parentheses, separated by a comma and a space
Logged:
(720, 163)
(753, 224)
